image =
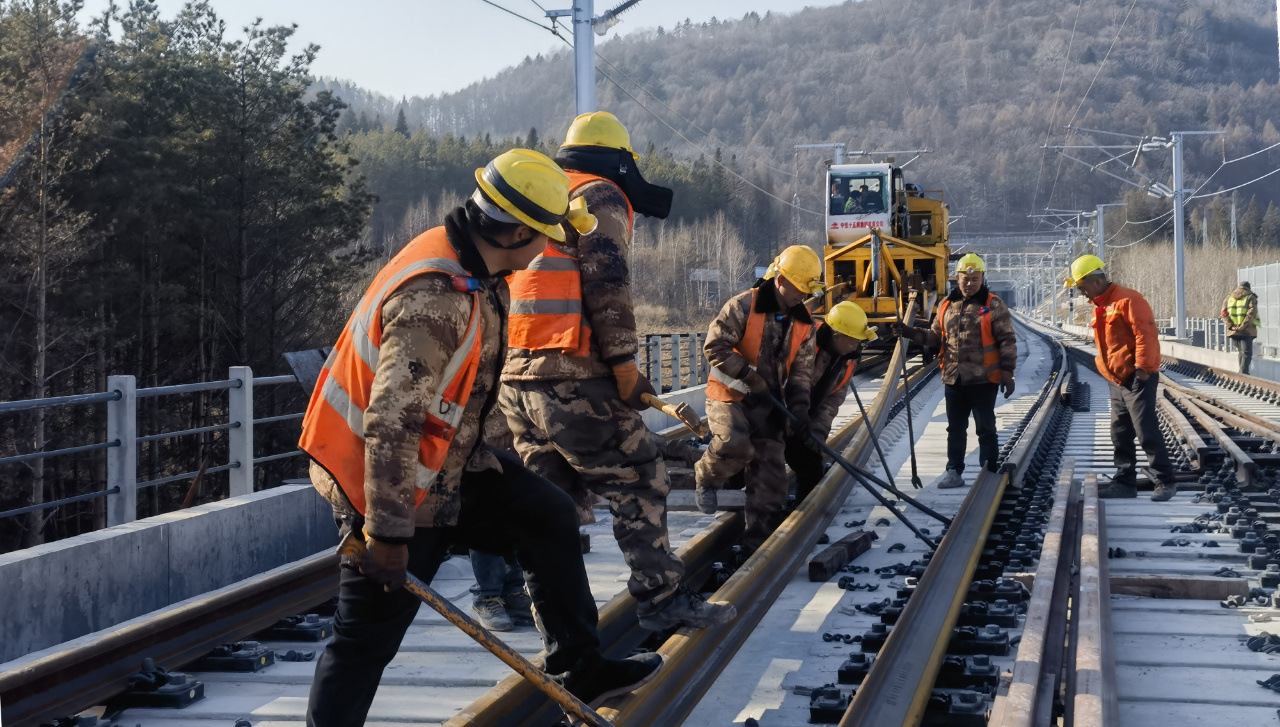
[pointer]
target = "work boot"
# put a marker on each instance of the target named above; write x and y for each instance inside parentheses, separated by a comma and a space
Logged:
(685, 607)
(951, 479)
(1161, 493)
(1117, 491)
(519, 607)
(706, 499)
(492, 614)
(595, 679)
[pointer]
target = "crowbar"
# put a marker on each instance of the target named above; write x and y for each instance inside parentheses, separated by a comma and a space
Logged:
(353, 547)
(682, 411)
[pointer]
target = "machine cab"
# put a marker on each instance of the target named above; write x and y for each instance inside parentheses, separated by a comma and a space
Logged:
(859, 199)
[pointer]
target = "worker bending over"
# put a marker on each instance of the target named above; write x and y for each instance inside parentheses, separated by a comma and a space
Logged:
(979, 351)
(1124, 329)
(838, 345)
(759, 346)
(394, 433)
(571, 390)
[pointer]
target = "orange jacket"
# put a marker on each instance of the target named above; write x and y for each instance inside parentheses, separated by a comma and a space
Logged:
(1125, 330)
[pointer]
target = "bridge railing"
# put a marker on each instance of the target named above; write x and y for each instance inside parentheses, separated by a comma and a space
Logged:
(123, 440)
(673, 361)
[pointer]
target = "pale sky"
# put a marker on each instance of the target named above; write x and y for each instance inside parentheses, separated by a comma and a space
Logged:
(424, 47)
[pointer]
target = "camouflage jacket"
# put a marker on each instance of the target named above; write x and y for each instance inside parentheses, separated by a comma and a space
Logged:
(731, 324)
(962, 352)
(828, 369)
(422, 323)
(606, 297)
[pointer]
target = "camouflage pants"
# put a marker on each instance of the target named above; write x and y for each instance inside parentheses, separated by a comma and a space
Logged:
(582, 437)
(736, 446)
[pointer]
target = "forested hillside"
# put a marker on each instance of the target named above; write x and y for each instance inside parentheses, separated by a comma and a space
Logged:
(983, 83)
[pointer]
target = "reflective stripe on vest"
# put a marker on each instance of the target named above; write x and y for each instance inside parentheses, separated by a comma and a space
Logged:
(546, 297)
(333, 427)
(1238, 309)
(990, 351)
(721, 386)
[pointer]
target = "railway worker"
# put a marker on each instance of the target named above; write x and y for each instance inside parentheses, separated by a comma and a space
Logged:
(761, 345)
(393, 431)
(1124, 329)
(838, 346)
(979, 352)
(571, 389)
(1240, 312)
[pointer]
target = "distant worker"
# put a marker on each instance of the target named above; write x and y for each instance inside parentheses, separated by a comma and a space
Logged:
(760, 345)
(979, 352)
(393, 430)
(571, 389)
(1124, 329)
(857, 202)
(1240, 311)
(838, 198)
(838, 346)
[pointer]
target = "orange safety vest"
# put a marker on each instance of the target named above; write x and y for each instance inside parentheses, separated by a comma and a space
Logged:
(848, 374)
(546, 298)
(721, 387)
(990, 352)
(333, 427)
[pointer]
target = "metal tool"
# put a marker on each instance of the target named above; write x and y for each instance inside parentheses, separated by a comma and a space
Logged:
(906, 392)
(856, 474)
(682, 411)
(353, 547)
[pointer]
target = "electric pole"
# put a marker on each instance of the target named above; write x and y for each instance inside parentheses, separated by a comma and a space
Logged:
(1102, 227)
(586, 26)
(1180, 232)
(1233, 212)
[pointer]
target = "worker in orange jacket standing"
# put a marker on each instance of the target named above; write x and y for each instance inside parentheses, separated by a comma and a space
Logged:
(1124, 329)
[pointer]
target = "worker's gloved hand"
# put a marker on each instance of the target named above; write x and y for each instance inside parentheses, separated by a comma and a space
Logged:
(799, 427)
(756, 382)
(911, 333)
(631, 385)
(1006, 384)
(386, 563)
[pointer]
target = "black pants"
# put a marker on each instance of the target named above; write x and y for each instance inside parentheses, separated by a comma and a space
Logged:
(1244, 347)
(980, 401)
(805, 460)
(1133, 413)
(501, 511)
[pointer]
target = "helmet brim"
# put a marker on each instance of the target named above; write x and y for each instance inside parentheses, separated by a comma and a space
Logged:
(555, 232)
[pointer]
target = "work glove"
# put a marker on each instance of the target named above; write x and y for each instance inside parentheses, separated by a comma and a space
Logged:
(911, 333)
(386, 563)
(1006, 384)
(756, 383)
(799, 427)
(631, 385)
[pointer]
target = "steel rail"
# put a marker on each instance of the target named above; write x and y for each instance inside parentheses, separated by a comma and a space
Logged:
(95, 668)
(515, 703)
(899, 685)
(696, 657)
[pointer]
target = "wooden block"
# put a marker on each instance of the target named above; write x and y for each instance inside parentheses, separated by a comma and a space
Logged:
(306, 366)
(825, 565)
(1205, 588)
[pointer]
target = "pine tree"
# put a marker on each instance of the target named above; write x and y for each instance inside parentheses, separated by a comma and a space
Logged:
(533, 141)
(402, 126)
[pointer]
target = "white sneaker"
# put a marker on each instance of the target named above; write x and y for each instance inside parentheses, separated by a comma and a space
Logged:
(951, 479)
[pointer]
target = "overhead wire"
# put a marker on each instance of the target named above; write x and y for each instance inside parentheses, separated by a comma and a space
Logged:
(531, 21)
(673, 129)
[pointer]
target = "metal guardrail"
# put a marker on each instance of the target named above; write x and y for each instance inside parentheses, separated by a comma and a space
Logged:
(122, 443)
(673, 361)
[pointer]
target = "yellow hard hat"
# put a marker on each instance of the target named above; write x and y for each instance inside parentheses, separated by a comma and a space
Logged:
(849, 318)
(531, 189)
(599, 128)
(971, 263)
(801, 266)
(1083, 266)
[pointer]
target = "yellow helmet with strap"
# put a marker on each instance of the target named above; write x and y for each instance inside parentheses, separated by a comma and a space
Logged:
(1083, 266)
(529, 188)
(599, 128)
(801, 266)
(851, 320)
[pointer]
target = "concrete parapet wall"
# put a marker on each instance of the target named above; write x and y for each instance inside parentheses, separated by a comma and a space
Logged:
(694, 396)
(60, 591)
